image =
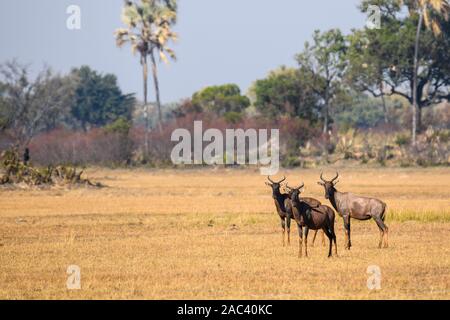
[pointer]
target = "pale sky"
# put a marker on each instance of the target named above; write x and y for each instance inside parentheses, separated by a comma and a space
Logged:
(221, 41)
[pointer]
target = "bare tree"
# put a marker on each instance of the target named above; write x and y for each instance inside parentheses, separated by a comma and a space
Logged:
(30, 106)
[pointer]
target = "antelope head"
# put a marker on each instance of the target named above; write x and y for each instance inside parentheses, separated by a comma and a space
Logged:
(275, 185)
(329, 185)
(294, 193)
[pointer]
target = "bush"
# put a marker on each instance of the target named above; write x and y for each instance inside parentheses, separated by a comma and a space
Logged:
(96, 147)
(233, 117)
(429, 150)
(402, 140)
(121, 126)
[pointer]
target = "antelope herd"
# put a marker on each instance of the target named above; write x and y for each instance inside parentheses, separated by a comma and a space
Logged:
(310, 213)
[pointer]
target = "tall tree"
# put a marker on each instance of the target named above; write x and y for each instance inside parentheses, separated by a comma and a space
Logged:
(386, 56)
(368, 58)
(367, 54)
(324, 59)
(430, 12)
(148, 30)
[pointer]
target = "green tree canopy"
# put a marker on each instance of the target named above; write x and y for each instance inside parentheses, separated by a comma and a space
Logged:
(285, 92)
(98, 99)
(221, 99)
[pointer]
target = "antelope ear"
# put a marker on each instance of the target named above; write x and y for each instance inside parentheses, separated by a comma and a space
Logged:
(320, 183)
(268, 184)
(335, 183)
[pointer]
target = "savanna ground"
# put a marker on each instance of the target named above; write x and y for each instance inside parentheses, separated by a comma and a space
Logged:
(198, 234)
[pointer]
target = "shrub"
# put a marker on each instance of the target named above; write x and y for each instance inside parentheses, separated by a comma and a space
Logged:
(233, 117)
(402, 140)
(96, 146)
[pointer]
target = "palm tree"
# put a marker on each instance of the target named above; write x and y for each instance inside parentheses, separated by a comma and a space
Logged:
(148, 31)
(429, 12)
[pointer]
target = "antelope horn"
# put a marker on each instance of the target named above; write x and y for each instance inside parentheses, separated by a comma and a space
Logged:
(284, 178)
(321, 177)
(337, 176)
(303, 184)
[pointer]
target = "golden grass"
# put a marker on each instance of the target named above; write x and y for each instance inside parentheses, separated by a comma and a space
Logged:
(199, 234)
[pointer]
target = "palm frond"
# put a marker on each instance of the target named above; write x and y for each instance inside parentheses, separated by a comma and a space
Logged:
(148, 26)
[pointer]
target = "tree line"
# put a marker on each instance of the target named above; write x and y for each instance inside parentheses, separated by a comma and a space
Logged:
(405, 58)
(363, 79)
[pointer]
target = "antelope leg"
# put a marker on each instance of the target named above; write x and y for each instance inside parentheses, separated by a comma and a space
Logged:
(347, 231)
(386, 242)
(314, 238)
(288, 225)
(323, 239)
(330, 237)
(300, 234)
(305, 238)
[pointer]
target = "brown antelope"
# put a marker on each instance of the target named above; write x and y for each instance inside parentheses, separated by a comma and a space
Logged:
(314, 218)
(280, 205)
(279, 199)
(349, 206)
(313, 203)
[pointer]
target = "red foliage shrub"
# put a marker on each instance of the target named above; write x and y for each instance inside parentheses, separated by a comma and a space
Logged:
(293, 133)
(62, 146)
(102, 147)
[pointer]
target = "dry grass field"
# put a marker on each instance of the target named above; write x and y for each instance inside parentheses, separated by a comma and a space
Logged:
(214, 234)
